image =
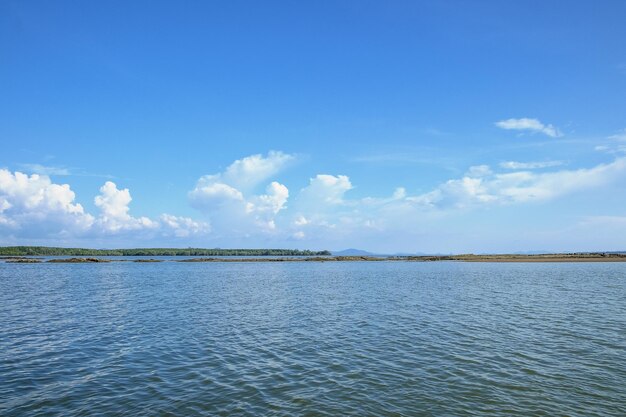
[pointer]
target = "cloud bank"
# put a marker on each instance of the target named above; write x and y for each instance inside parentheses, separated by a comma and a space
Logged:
(32, 206)
(247, 201)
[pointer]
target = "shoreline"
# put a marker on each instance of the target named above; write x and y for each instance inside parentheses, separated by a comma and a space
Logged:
(503, 258)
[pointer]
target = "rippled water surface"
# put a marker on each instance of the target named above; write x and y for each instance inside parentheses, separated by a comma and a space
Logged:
(357, 338)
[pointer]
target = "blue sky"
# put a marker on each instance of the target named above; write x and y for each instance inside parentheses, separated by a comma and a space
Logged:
(442, 126)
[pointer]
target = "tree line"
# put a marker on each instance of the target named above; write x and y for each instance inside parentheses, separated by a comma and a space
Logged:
(52, 251)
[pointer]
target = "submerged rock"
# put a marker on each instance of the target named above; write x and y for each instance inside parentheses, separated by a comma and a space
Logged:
(199, 260)
(23, 261)
(78, 260)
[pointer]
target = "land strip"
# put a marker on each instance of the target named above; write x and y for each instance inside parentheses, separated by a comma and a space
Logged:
(6, 251)
(568, 257)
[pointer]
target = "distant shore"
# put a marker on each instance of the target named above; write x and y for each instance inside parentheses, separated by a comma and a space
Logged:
(57, 251)
(570, 257)
(591, 257)
(575, 257)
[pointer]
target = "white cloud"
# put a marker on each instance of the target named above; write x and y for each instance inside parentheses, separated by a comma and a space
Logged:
(244, 174)
(272, 202)
(209, 195)
(114, 217)
(300, 220)
(321, 204)
(321, 213)
(531, 125)
(34, 205)
(458, 193)
(228, 199)
(182, 226)
(518, 187)
(264, 208)
(324, 213)
(530, 165)
(326, 189)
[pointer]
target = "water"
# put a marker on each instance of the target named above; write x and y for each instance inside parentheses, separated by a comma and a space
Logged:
(315, 339)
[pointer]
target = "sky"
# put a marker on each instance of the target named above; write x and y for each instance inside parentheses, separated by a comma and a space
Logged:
(393, 127)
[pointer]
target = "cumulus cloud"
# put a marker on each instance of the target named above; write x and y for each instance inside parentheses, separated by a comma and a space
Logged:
(211, 195)
(113, 204)
(242, 175)
(326, 189)
(182, 226)
(322, 202)
(252, 170)
(514, 165)
(324, 210)
(228, 197)
(529, 125)
(272, 202)
(32, 204)
(521, 186)
(115, 217)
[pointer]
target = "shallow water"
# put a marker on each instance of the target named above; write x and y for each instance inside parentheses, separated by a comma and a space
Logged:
(356, 338)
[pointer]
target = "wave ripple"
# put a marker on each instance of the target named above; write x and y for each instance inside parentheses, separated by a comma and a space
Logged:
(324, 339)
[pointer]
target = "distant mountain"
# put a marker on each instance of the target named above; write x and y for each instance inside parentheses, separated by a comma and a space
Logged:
(352, 252)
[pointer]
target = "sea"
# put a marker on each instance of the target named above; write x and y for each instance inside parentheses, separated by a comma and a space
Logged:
(385, 338)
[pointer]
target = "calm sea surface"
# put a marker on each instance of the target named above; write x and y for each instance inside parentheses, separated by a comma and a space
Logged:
(357, 338)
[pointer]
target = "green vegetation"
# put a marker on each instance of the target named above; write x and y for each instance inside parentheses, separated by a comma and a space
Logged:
(48, 251)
